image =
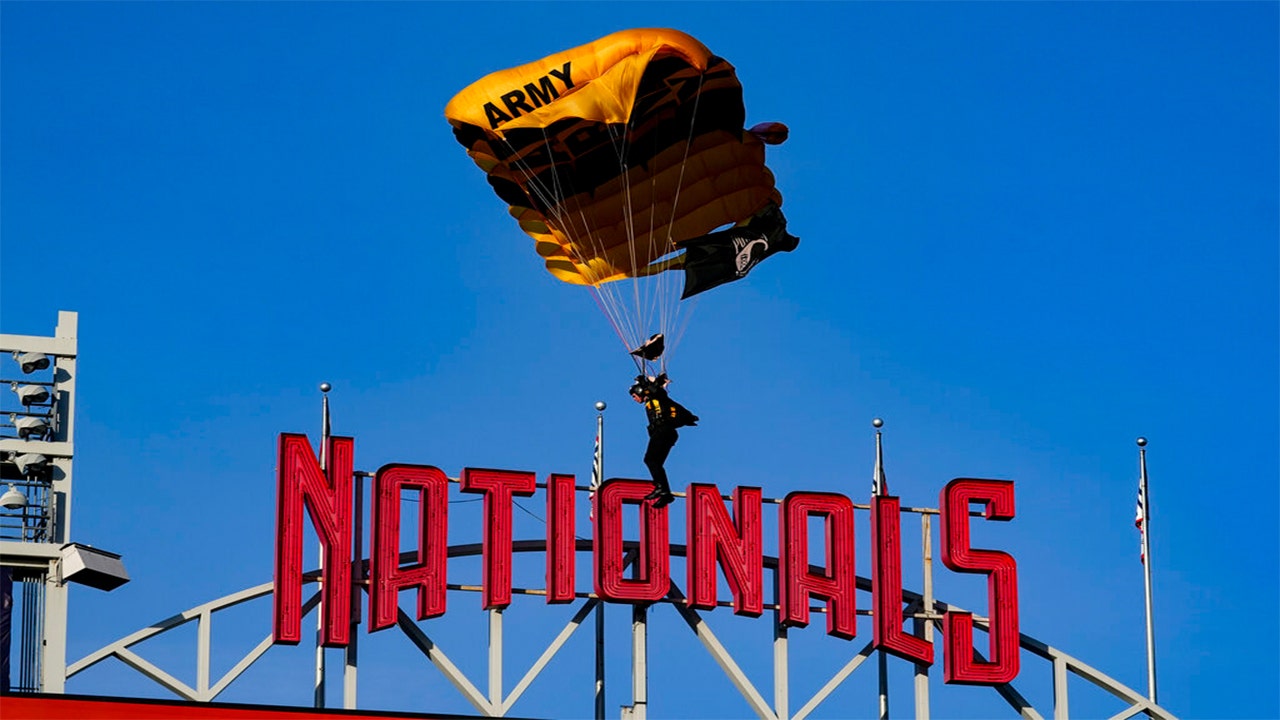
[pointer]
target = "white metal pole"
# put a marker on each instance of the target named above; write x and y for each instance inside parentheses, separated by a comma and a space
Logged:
(600, 660)
(883, 667)
(53, 652)
(1146, 568)
(924, 627)
(781, 681)
(880, 487)
(878, 484)
(597, 477)
(351, 666)
(320, 608)
(495, 658)
(639, 662)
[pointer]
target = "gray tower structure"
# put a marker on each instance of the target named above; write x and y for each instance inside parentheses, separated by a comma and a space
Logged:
(37, 556)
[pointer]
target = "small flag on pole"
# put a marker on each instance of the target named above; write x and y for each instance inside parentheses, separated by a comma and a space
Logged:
(595, 481)
(595, 466)
(1139, 520)
(597, 463)
(1142, 519)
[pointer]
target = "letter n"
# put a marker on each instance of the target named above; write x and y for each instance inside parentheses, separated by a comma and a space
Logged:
(327, 498)
(959, 664)
(427, 571)
(886, 583)
(837, 582)
(713, 536)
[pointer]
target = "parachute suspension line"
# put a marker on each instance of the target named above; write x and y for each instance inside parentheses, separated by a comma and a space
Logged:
(657, 285)
(654, 295)
(644, 288)
(609, 314)
(685, 317)
(671, 312)
(553, 198)
(641, 317)
(635, 327)
(587, 245)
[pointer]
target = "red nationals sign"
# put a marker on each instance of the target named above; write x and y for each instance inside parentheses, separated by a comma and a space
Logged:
(721, 539)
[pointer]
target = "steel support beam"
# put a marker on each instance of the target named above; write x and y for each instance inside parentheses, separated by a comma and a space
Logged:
(639, 661)
(495, 659)
(922, 627)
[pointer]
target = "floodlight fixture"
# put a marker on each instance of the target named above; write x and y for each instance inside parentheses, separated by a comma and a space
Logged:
(31, 361)
(30, 463)
(31, 394)
(92, 566)
(30, 426)
(13, 499)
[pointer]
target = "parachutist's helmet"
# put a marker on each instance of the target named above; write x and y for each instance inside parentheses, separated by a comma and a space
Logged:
(640, 387)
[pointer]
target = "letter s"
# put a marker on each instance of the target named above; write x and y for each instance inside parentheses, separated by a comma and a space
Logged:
(959, 664)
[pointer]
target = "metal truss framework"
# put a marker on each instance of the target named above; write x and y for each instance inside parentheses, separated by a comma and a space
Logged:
(490, 699)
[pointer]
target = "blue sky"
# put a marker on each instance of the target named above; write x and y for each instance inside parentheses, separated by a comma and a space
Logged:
(1031, 232)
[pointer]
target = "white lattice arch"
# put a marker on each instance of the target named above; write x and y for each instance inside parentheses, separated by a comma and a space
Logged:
(494, 701)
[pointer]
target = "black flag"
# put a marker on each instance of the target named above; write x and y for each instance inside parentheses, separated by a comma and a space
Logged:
(728, 255)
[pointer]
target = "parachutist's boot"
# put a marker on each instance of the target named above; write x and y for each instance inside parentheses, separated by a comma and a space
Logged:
(661, 494)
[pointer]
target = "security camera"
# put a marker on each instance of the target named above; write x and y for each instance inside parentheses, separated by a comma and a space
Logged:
(31, 361)
(30, 426)
(31, 394)
(30, 463)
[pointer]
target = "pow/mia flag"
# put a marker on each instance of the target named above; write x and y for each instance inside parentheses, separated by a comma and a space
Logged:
(728, 255)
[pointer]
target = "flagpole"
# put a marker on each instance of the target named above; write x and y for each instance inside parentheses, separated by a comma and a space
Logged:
(1146, 568)
(597, 477)
(880, 487)
(324, 468)
(878, 484)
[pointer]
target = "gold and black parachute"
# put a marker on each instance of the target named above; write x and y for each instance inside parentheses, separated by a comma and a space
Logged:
(613, 154)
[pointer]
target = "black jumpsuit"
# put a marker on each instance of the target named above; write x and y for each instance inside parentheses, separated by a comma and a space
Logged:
(662, 437)
(665, 415)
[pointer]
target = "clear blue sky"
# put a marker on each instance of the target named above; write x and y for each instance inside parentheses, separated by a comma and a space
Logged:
(1032, 232)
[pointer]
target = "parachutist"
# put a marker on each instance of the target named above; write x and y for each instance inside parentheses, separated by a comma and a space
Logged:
(665, 415)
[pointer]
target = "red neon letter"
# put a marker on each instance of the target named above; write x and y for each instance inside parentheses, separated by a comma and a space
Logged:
(560, 540)
(427, 573)
(737, 546)
(886, 584)
(327, 497)
(837, 583)
(652, 576)
(498, 487)
(959, 664)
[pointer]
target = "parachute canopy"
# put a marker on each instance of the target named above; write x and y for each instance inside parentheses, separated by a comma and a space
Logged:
(611, 153)
(614, 154)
